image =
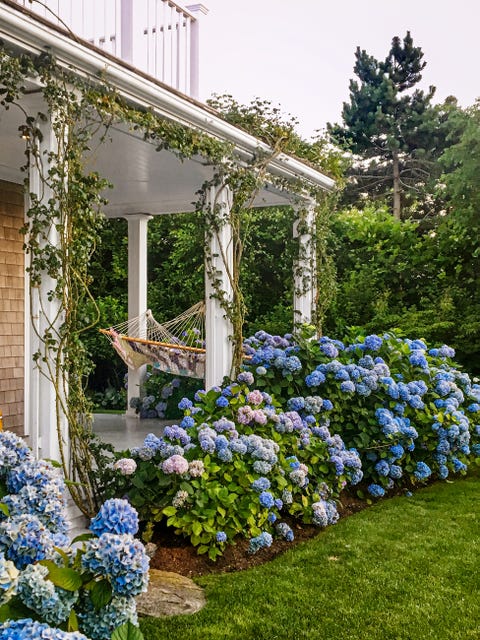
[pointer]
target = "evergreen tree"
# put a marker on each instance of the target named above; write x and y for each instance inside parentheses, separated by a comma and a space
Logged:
(391, 127)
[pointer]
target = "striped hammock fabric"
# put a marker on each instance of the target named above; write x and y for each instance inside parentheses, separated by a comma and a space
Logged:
(176, 347)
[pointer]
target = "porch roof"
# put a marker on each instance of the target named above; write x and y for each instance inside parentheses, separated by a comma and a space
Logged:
(144, 180)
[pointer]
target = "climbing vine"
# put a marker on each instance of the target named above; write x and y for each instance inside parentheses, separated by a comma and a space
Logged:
(64, 220)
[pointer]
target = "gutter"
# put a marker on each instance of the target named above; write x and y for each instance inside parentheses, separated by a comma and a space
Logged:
(35, 36)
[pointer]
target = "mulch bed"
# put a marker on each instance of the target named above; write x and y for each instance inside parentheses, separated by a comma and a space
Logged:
(177, 554)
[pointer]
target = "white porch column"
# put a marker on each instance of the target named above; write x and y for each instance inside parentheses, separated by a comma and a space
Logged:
(305, 287)
(41, 315)
(218, 329)
(137, 290)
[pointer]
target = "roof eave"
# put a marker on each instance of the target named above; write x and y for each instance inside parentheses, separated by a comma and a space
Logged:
(23, 31)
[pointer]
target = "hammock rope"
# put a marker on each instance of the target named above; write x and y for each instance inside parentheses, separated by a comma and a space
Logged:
(176, 346)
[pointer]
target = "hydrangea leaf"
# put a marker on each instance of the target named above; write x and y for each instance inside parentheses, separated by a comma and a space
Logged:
(65, 578)
(127, 631)
(83, 537)
(14, 610)
(72, 621)
(101, 594)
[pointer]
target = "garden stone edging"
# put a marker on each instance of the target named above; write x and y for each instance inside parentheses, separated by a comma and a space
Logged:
(170, 594)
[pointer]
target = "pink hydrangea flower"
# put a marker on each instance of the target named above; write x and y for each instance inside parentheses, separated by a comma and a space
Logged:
(175, 464)
(245, 415)
(255, 397)
(126, 466)
(196, 468)
(259, 416)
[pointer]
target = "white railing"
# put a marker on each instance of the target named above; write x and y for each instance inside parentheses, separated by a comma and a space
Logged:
(156, 36)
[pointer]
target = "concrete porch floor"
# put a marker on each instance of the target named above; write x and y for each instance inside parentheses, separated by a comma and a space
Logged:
(124, 432)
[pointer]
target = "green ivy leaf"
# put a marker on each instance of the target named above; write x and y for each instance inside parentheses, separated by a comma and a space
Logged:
(170, 511)
(4, 509)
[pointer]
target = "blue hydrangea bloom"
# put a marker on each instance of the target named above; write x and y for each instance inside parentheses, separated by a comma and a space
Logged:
(422, 471)
(382, 468)
(185, 403)
(260, 542)
(261, 484)
(373, 342)
(376, 490)
(222, 402)
(315, 379)
(327, 405)
(115, 516)
(266, 499)
(27, 629)
(284, 531)
(120, 558)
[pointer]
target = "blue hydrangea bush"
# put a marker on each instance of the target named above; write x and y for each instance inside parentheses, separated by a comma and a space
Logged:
(408, 410)
(49, 588)
(237, 466)
(162, 393)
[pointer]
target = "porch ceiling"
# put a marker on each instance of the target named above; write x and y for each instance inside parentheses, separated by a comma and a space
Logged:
(144, 180)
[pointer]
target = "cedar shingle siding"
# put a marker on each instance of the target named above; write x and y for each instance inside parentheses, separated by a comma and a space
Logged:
(12, 298)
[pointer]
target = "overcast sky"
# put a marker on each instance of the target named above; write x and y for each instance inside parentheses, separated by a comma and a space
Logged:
(300, 53)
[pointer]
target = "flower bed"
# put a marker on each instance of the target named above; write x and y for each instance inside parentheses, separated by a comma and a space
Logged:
(237, 466)
(408, 410)
(49, 589)
(305, 420)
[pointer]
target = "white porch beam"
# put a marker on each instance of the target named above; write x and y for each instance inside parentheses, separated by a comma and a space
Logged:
(137, 291)
(305, 286)
(42, 314)
(218, 329)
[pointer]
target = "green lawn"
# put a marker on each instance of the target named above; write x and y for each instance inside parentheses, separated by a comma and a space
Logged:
(406, 568)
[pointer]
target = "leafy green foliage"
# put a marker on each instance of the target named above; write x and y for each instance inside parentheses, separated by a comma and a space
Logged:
(270, 124)
(127, 631)
(396, 275)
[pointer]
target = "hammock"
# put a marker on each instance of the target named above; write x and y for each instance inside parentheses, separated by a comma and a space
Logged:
(176, 346)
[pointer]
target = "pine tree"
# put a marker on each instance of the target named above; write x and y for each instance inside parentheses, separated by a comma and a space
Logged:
(390, 126)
